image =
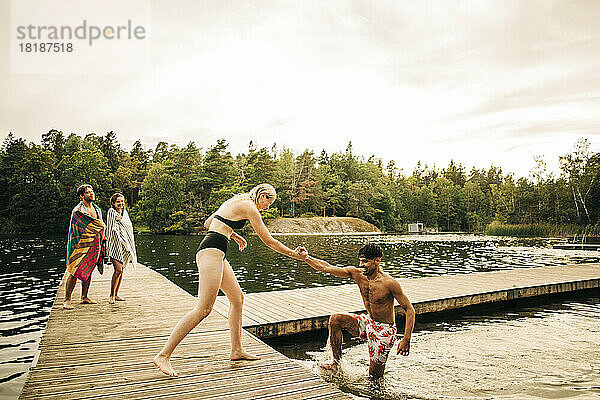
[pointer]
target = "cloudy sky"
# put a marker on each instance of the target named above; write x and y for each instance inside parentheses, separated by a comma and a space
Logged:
(480, 82)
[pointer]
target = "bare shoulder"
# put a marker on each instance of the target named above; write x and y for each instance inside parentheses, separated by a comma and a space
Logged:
(354, 272)
(391, 282)
(248, 205)
(236, 207)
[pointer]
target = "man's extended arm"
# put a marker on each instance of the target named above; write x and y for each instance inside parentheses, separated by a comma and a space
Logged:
(404, 345)
(325, 267)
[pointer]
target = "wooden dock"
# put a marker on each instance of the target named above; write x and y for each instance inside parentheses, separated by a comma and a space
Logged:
(105, 351)
(272, 314)
(577, 246)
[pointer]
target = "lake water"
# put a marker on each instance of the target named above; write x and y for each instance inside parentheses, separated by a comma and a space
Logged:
(31, 269)
(547, 351)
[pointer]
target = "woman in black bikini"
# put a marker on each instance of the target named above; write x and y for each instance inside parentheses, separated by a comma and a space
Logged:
(216, 272)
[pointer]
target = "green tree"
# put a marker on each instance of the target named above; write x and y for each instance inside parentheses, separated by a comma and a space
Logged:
(290, 172)
(219, 178)
(161, 152)
(162, 196)
(258, 166)
(90, 167)
(449, 204)
(26, 181)
(581, 169)
(111, 150)
(475, 205)
(425, 207)
(32, 186)
(54, 141)
(455, 173)
(359, 194)
(72, 145)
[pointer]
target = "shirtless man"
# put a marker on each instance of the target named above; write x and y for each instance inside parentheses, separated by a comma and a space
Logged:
(378, 326)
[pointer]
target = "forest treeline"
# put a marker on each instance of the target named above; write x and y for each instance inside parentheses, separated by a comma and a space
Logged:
(173, 189)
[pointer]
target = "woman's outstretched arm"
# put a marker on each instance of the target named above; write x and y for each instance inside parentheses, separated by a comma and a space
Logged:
(264, 235)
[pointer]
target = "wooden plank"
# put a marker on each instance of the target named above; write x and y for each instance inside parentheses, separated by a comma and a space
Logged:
(105, 351)
(430, 294)
(575, 246)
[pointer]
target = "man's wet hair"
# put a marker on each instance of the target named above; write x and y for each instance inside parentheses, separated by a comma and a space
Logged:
(81, 189)
(370, 251)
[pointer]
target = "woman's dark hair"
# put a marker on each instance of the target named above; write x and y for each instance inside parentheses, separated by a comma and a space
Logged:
(370, 251)
(114, 197)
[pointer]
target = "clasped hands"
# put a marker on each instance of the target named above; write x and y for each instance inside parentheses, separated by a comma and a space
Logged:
(302, 253)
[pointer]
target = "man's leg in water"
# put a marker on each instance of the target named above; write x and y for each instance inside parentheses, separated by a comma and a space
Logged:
(376, 370)
(337, 323)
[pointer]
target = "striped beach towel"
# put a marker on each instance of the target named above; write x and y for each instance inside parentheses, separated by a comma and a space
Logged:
(85, 244)
(120, 243)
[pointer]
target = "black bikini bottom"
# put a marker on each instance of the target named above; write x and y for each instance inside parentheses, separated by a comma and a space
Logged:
(214, 240)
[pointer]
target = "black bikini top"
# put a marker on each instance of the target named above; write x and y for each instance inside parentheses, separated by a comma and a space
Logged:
(239, 224)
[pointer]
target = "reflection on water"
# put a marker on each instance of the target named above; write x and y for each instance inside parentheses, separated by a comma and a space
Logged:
(260, 269)
(31, 269)
(530, 352)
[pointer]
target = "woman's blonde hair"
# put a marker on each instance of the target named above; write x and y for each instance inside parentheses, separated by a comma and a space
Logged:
(256, 191)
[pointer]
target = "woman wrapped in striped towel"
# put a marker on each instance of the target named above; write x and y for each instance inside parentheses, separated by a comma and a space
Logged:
(120, 244)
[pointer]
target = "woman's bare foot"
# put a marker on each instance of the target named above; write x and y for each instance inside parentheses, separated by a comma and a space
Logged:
(67, 305)
(333, 367)
(164, 365)
(87, 300)
(111, 300)
(117, 298)
(243, 355)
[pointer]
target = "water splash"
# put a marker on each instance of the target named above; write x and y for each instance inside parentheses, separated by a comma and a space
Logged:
(533, 352)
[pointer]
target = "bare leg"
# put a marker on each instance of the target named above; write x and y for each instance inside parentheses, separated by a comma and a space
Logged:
(337, 322)
(114, 283)
(117, 298)
(376, 370)
(231, 288)
(69, 286)
(85, 287)
(210, 268)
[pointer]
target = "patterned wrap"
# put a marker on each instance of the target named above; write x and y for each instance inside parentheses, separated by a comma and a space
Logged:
(85, 244)
(380, 337)
(120, 243)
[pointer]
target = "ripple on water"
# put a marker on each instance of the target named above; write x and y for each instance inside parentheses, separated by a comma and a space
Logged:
(550, 352)
(28, 283)
(32, 269)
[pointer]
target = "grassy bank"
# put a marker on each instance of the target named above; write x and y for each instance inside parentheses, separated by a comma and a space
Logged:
(542, 230)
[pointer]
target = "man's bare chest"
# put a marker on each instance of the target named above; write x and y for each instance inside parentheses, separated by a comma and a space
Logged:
(374, 292)
(91, 211)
